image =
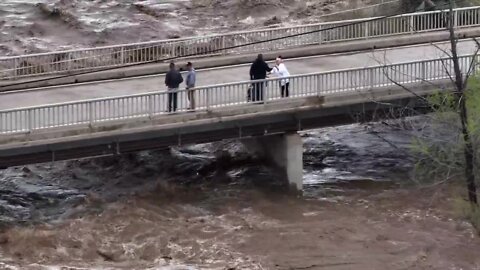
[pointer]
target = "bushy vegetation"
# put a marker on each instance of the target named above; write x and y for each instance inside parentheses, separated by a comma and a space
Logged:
(440, 149)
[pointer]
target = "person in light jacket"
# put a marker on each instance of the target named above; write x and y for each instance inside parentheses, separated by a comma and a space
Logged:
(173, 79)
(190, 81)
(281, 71)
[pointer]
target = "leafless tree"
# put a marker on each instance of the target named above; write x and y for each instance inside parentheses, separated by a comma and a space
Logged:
(459, 82)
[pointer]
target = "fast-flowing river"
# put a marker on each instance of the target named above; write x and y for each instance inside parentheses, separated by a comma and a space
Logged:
(28, 26)
(214, 206)
(149, 196)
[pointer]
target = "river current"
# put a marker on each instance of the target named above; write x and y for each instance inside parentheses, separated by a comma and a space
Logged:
(192, 182)
(198, 206)
(30, 26)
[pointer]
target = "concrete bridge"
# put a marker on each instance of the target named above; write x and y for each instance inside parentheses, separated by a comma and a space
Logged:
(114, 125)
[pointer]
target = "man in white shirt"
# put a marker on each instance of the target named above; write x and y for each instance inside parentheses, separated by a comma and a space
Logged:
(281, 71)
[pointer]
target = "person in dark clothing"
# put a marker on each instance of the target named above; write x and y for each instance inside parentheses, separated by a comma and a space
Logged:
(173, 79)
(258, 71)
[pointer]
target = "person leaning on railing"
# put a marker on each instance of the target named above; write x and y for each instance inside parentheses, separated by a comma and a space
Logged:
(190, 82)
(281, 71)
(173, 79)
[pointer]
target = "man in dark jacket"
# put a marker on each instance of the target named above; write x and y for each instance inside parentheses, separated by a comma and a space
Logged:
(258, 71)
(173, 79)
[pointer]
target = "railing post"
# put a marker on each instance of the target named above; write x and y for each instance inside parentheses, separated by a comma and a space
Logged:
(150, 106)
(90, 113)
(319, 84)
(207, 94)
(370, 70)
(3, 128)
(455, 18)
(320, 41)
(477, 22)
(172, 50)
(69, 61)
(15, 68)
(367, 29)
(29, 120)
(424, 71)
(475, 63)
(122, 55)
(265, 92)
(412, 26)
(224, 51)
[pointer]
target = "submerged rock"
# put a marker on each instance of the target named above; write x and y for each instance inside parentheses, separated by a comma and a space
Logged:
(272, 21)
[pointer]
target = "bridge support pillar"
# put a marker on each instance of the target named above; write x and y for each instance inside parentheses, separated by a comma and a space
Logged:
(284, 151)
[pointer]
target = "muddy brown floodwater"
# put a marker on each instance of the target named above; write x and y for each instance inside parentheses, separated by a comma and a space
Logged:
(222, 229)
(215, 206)
(28, 26)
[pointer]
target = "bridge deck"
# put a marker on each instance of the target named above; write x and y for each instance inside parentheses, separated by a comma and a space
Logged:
(59, 94)
(106, 126)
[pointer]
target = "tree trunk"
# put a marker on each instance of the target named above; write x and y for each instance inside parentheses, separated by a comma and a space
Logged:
(460, 86)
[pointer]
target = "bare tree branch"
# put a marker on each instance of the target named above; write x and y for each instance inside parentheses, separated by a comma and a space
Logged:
(460, 86)
(446, 70)
(442, 50)
(408, 75)
(471, 67)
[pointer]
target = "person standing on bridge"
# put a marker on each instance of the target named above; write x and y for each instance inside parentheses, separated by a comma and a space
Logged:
(173, 79)
(281, 71)
(190, 81)
(258, 71)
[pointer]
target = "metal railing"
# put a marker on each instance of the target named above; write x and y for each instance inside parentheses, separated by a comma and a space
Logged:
(230, 43)
(216, 97)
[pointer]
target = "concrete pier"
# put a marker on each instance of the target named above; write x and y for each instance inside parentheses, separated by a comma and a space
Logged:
(284, 151)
